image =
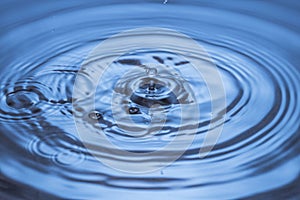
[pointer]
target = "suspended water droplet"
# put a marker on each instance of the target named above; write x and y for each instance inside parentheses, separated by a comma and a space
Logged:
(151, 72)
(95, 115)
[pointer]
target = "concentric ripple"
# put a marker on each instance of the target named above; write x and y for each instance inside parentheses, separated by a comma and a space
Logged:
(24, 100)
(61, 149)
(41, 93)
(255, 47)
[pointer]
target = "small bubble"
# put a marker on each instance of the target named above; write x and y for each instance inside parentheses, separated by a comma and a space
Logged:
(95, 115)
(134, 110)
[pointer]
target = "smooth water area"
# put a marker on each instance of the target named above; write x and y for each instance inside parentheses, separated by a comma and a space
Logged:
(253, 44)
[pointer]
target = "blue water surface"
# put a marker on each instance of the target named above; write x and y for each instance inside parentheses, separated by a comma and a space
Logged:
(255, 46)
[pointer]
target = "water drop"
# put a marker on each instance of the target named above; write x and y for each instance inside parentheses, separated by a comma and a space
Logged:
(151, 72)
(95, 115)
(134, 110)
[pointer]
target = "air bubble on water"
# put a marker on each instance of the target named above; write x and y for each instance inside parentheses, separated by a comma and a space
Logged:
(134, 110)
(95, 115)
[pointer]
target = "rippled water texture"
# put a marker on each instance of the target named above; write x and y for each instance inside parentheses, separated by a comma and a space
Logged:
(255, 47)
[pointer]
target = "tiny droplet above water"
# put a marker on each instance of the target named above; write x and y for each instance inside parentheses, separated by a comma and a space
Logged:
(151, 72)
